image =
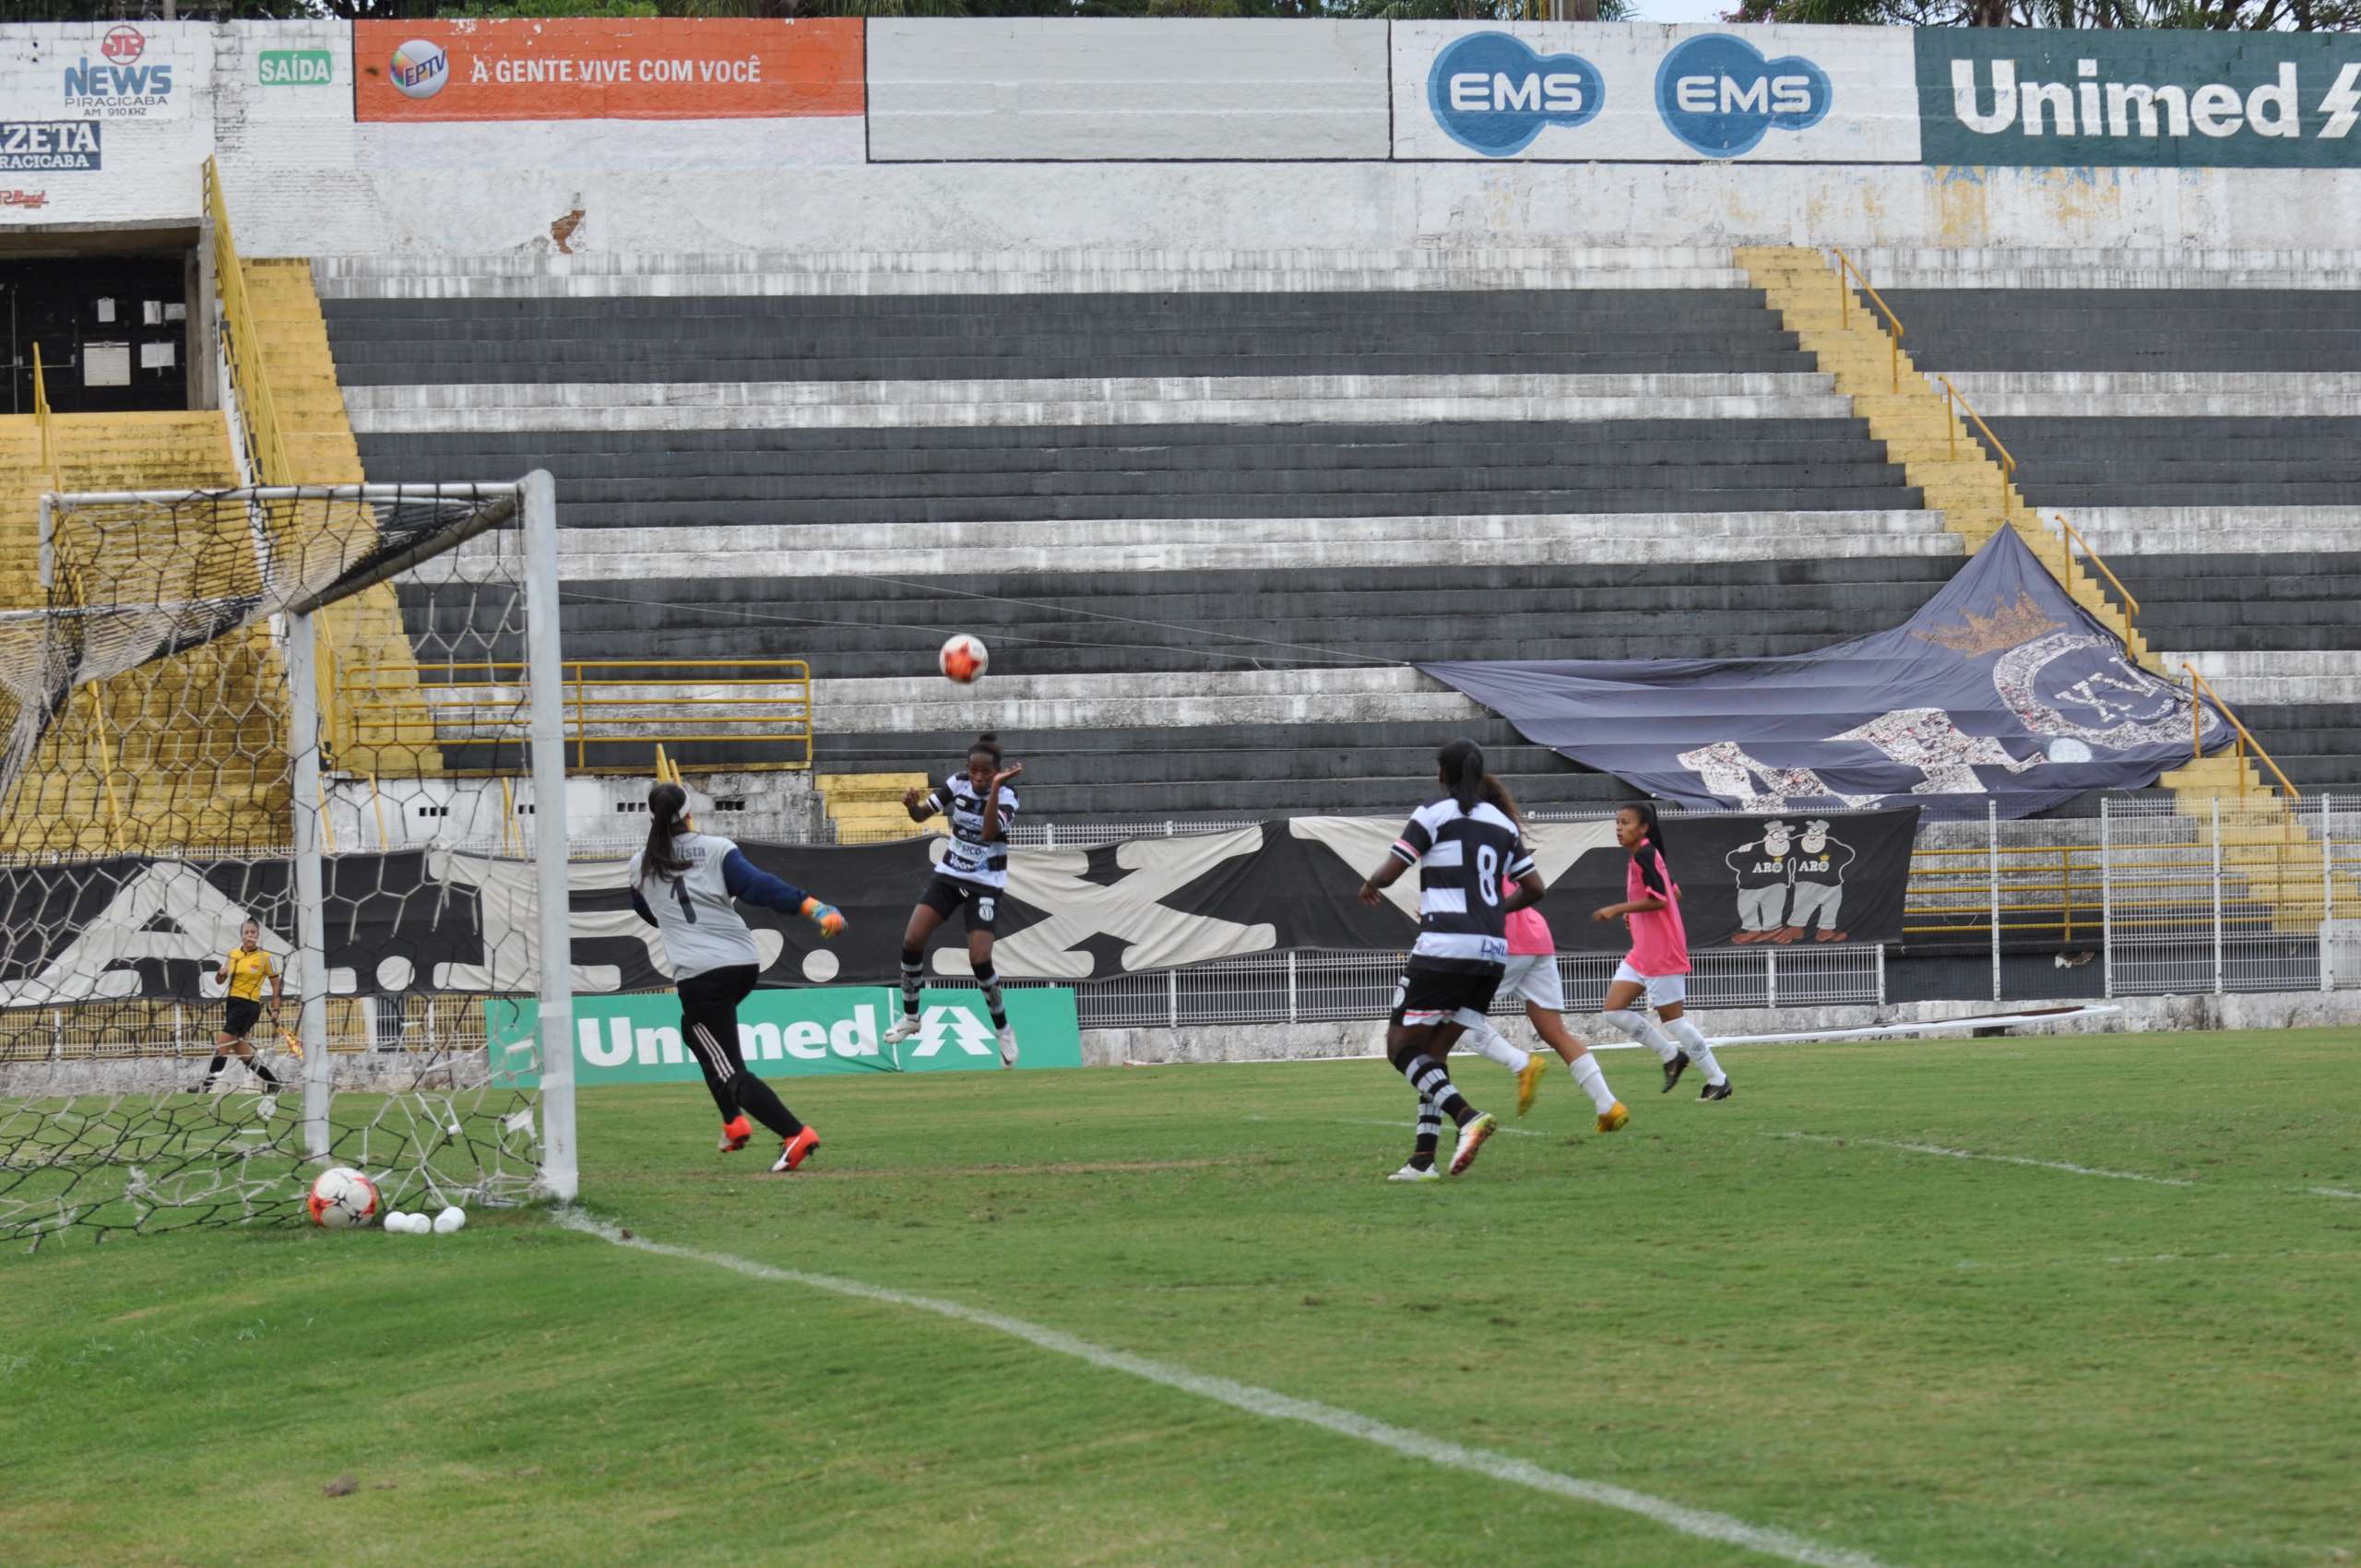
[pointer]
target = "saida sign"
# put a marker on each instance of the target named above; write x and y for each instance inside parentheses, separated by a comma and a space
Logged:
(635, 1037)
(2258, 100)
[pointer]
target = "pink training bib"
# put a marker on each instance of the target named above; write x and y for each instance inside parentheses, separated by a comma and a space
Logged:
(1659, 941)
(1529, 932)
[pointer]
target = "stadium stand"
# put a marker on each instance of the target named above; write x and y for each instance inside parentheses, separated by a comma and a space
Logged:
(1265, 481)
(2198, 418)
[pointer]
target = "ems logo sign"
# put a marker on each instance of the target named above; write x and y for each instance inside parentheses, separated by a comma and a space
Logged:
(1721, 97)
(1492, 92)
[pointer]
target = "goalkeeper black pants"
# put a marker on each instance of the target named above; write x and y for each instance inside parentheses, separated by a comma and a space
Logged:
(709, 1028)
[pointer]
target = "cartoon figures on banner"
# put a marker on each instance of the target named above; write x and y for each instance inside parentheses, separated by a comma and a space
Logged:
(1762, 878)
(1817, 869)
(1790, 887)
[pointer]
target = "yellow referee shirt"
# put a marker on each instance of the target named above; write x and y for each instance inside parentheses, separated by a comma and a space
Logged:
(247, 971)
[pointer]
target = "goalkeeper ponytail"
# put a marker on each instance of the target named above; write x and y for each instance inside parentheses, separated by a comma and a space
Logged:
(666, 806)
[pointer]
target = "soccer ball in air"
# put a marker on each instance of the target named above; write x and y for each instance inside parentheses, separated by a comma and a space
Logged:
(963, 659)
(341, 1199)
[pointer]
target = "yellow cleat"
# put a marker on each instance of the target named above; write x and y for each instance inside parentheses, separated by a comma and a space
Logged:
(1612, 1119)
(1528, 1081)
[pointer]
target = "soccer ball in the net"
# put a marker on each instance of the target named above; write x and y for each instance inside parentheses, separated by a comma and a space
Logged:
(964, 657)
(341, 1199)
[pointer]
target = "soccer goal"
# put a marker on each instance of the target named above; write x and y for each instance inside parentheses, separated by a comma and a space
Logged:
(259, 750)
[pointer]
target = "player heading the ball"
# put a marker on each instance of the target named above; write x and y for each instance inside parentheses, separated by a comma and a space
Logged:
(972, 876)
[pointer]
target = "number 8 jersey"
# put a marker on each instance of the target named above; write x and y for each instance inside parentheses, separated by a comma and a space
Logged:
(1462, 857)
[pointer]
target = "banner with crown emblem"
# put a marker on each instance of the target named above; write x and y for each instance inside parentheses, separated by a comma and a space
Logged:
(2001, 690)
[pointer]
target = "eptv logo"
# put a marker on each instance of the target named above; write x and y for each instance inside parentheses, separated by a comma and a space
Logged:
(1721, 97)
(1491, 92)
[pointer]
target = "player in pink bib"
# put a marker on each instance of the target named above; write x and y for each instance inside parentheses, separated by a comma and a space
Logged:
(1658, 963)
(1532, 973)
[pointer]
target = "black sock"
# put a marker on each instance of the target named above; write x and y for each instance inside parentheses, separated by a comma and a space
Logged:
(1426, 1077)
(261, 1072)
(912, 959)
(1422, 1156)
(988, 977)
(214, 1070)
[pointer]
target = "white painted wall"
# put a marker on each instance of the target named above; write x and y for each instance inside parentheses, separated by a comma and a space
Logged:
(303, 180)
(1062, 89)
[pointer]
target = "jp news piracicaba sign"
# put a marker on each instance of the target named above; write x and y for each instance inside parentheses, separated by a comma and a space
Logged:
(2256, 100)
(636, 1039)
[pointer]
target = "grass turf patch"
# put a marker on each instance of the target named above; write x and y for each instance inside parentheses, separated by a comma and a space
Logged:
(1926, 1358)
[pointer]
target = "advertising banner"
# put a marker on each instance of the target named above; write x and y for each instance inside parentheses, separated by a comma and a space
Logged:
(636, 1039)
(117, 72)
(600, 69)
(1638, 92)
(2260, 100)
(1146, 88)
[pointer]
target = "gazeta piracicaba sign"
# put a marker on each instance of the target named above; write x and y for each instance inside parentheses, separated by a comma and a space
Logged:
(635, 1037)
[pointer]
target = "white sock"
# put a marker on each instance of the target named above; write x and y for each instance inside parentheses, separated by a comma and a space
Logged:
(1647, 1034)
(1491, 1045)
(1594, 1082)
(1693, 1044)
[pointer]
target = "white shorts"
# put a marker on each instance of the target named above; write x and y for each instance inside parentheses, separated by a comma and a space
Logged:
(1664, 990)
(1534, 976)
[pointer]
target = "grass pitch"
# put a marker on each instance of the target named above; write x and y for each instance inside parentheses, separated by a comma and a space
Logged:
(2005, 1302)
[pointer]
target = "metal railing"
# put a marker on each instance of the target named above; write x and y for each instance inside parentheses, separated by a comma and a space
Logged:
(45, 425)
(622, 702)
(2070, 543)
(1956, 404)
(1844, 308)
(2246, 738)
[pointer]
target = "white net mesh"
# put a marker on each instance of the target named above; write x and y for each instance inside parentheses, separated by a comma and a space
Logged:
(158, 796)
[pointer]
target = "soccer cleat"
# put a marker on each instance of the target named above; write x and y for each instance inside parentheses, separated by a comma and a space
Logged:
(906, 1029)
(1673, 1069)
(1613, 1118)
(1417, 1174)
(266, 1107)
(1471, 1138)
(795, 1151)
(1528, 1081)
(735, 1133)
(1007, 1046)
(1715, 1091)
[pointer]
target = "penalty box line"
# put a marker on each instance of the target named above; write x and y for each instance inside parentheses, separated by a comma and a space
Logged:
(1701, 1523)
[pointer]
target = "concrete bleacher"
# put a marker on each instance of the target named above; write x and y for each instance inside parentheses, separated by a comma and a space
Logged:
(2196, 417)
(1261, 483)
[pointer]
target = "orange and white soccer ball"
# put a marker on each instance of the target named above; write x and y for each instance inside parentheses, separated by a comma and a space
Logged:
(964, 659)
(342, 1199)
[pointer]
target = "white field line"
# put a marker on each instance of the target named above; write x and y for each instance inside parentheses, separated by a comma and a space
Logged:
(1701, 1523)
(2332, 1192)
(2070, 1170)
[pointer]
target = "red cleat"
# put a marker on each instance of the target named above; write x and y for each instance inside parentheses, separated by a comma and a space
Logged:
(735, 1133)
(795, 1151)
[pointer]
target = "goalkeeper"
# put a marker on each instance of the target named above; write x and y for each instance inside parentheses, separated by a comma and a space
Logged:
(684, 884)
(244, 971)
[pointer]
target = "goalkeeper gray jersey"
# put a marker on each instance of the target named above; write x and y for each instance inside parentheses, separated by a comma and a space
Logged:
(701, 925)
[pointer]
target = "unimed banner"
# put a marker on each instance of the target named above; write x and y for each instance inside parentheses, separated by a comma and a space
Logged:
(637, 69)
(636, 1039)
(2265, 100)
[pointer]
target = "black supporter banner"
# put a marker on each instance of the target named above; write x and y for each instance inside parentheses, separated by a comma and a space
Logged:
(442, 922)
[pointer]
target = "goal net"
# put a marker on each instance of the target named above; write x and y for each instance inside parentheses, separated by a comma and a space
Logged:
(310, 716)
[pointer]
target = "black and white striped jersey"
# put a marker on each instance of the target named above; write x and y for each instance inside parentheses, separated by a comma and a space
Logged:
(970, 858)
(1462, 856)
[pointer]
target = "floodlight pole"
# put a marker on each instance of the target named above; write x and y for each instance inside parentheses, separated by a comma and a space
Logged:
(545, 682)
(308, 974)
